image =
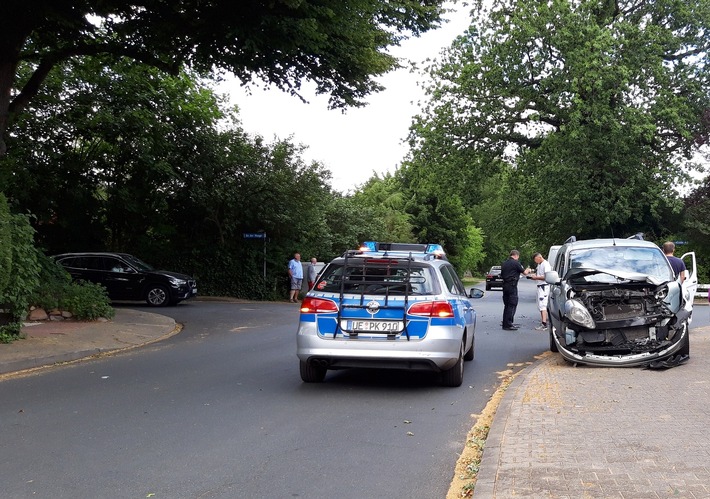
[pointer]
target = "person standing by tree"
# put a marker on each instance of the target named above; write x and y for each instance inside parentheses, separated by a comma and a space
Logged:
(542, 288)
(295, 274)
(677, 264)
(312, 273)
(510, 271)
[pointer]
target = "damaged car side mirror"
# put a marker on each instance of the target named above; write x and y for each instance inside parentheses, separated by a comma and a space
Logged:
(552, 277)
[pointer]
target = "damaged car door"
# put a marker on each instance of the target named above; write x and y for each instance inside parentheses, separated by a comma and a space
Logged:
(690, 284)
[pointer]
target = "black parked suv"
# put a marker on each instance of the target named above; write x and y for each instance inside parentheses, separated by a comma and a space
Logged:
(126, 277)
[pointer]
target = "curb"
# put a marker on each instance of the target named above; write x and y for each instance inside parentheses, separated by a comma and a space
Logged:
(63, 343)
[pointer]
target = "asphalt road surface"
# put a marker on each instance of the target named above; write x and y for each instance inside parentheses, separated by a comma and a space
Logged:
(219, 411)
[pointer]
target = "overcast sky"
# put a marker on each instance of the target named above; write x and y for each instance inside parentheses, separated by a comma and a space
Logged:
(362, 141)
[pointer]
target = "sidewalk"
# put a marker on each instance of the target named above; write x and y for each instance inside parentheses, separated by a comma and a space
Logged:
(51, 342)
(569, 432)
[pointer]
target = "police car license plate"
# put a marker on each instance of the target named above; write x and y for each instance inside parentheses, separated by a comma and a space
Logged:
(374, 326)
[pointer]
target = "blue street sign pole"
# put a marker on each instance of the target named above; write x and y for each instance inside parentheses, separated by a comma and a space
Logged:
(257, 235)
(264, 256)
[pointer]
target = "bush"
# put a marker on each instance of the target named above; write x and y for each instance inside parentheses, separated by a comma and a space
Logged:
(28, 277)
(225, 274)
(86, 300)
(10, 332)
(18, 265)
(18, 270)
(54, 281)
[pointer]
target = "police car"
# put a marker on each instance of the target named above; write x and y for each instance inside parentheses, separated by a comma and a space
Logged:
(388, 305)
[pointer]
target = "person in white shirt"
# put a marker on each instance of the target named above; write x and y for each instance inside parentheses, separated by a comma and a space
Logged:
(543, 288)
(312, 273)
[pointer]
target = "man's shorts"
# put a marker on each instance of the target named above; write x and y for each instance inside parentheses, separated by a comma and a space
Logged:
(542, 293)
(296, 283)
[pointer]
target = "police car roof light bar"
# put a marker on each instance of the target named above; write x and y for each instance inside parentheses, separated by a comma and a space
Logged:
(407, 249)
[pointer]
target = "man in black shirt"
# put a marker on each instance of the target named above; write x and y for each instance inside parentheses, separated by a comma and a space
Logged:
(510, 273)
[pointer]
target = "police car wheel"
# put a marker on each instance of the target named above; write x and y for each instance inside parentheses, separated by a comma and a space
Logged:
(311, 374)
(471, 351)
(454, 377)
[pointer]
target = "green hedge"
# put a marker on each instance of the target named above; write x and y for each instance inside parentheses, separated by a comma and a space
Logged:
(28, 277)
(19, 273)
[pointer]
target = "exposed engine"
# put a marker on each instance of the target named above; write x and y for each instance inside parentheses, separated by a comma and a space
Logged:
(630, 318)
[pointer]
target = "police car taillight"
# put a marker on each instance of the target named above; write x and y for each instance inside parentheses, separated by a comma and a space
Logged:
(432, 309)
(311, 305)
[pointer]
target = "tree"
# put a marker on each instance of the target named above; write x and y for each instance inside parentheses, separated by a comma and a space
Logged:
(120, 156)
(437, 215)
(341, 46)
(696, 226)
(596, 108)
(99, 158)
(350, 224)
(386, 200)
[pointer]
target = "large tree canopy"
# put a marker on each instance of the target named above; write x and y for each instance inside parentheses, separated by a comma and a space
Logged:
(597, 107)
(340, 45)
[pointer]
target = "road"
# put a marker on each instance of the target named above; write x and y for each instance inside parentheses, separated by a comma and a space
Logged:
(219, 411)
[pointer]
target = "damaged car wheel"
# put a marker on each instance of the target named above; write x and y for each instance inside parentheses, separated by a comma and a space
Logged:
(685, 349)
(553, 343)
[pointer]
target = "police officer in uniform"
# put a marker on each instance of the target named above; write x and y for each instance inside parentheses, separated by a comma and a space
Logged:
(510, 272)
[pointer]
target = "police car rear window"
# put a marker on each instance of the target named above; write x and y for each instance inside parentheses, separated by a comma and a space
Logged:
(383, 278)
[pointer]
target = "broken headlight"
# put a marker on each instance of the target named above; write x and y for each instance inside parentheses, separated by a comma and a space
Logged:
(578, 313)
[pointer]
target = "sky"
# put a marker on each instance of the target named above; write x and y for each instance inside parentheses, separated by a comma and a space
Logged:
(363, 141)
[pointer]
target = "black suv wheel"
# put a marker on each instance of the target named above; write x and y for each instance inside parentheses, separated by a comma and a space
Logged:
(157, 295)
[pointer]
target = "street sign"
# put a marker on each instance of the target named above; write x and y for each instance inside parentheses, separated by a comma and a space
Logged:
(257, 235)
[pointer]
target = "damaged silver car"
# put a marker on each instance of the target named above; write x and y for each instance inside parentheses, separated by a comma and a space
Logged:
(617, 302)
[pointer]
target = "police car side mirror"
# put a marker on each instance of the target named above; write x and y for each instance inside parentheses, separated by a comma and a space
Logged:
(476, 293)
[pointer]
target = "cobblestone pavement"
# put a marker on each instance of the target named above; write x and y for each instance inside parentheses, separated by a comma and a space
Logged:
(588, 432)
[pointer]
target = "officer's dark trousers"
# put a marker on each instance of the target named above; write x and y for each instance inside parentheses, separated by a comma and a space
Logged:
(510, 303)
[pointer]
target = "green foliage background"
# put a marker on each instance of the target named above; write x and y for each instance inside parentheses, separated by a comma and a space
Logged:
(28, 277)
(542, 121)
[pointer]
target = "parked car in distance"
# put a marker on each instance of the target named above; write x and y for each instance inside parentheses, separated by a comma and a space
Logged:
(617, 302)
(388, 305)
(493, 278)
(126, 277)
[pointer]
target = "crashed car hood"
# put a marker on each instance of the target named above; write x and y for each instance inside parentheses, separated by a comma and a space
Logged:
(618, 274)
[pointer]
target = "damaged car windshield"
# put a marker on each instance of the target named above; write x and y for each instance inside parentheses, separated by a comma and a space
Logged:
(615, 261)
